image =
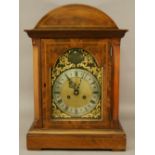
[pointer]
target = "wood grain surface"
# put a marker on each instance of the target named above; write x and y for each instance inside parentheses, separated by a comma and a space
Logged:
(69, 16)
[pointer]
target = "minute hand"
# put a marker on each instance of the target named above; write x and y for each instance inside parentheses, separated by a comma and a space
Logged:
(83, 76)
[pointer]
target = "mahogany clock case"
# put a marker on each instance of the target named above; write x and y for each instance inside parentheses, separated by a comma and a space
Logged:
(63, 29)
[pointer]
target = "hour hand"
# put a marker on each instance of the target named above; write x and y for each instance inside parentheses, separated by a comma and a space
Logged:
(71, 83)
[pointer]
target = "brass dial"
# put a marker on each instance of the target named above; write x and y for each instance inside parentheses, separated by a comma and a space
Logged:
(76, 92)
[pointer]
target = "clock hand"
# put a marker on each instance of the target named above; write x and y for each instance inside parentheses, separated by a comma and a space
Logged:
(80, 81)
(71, 83)
(76, 88)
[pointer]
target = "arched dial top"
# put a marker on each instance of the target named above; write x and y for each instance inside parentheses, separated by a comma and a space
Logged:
(76, 21)
(76, 16)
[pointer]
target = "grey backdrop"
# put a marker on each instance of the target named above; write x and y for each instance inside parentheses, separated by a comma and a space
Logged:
(122, 12)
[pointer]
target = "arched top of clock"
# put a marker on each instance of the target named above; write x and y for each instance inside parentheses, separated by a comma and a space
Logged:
(76, 16)
(76, 21)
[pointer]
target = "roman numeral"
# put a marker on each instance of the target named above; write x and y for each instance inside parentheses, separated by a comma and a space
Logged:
(92, 83)
(59, 101)
(76, 73)
(66, 108)
(84, 75)
(89, 105)
(85, 108)
(56, 92)
(92, 101)
(59, 82)
(76, 111)
(95, 92)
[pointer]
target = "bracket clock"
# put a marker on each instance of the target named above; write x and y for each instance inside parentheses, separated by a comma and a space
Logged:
(76, 53)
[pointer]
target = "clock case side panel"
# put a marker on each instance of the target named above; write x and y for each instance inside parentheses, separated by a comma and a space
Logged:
(115, 50)
(59, 46)
(38, 121)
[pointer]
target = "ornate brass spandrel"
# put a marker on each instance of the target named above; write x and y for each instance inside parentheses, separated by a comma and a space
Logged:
(86, 62)
(95, 113)
(57, 113)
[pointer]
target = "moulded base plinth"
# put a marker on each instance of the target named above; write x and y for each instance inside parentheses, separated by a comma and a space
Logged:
(108, 139)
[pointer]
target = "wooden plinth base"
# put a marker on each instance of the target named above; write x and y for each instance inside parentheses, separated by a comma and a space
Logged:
(111, 139)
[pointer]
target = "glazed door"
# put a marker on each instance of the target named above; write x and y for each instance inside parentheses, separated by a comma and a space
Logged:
(51, 51)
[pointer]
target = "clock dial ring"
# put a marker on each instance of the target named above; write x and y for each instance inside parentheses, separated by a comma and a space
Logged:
(76, 80)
